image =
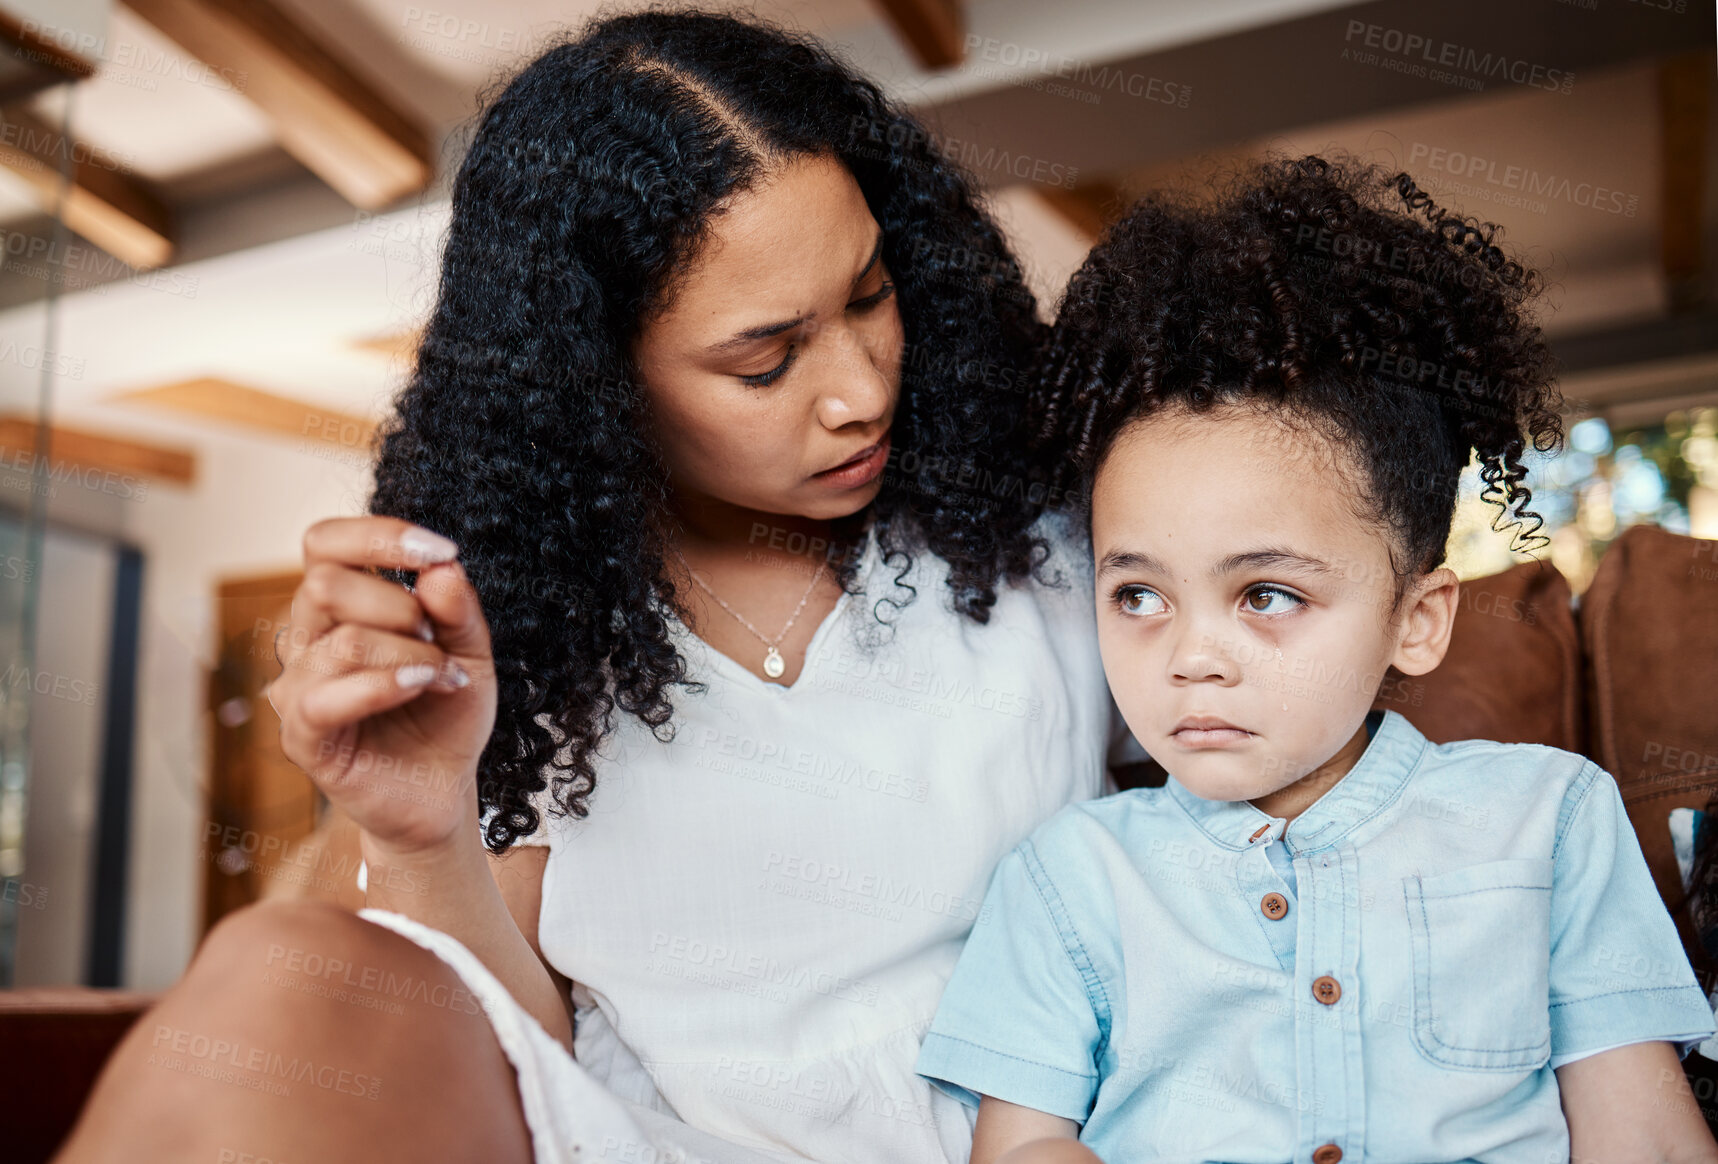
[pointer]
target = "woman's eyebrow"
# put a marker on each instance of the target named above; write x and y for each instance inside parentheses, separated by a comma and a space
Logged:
(752, 334)
(876, 253)
(764, 331)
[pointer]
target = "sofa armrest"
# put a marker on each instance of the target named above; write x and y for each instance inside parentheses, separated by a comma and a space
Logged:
(56, 1039)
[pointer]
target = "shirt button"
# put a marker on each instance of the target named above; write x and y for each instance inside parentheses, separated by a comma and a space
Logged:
(1329, 1154)
(1275, 905)
(1262, 830)
(1327, 990)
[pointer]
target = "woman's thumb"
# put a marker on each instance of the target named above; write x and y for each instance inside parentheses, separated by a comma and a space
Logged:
(451, 602)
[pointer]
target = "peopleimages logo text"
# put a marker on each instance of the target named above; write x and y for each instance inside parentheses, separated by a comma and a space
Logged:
(1524, 180)
(1449, 55)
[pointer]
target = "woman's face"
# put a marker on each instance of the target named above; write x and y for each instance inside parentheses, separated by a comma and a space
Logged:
(779, 357)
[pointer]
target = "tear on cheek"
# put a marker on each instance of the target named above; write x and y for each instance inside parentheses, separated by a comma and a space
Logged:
(1257, 651)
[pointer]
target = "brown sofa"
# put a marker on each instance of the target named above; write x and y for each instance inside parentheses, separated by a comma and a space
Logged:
(1630, 681)
(53, 1041)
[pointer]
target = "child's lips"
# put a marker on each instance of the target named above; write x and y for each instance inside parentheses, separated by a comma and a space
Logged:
(1208, 733)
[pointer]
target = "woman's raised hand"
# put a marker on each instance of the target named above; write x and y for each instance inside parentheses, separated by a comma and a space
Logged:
(386, 695)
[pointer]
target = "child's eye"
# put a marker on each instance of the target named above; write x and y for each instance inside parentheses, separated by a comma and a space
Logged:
(764, 379)
(1264, 600)
(1136, 599)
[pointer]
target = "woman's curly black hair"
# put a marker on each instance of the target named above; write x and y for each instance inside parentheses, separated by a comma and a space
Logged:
(1336, 294)
(589, 183)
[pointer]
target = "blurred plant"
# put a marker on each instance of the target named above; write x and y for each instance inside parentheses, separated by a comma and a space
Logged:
(1600, 484)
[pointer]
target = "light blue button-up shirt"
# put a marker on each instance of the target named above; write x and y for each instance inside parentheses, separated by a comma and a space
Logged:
(1460, 919)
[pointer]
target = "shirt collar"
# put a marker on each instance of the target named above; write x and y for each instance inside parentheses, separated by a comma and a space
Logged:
(1377, 778)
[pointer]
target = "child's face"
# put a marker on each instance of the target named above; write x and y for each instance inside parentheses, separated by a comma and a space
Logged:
(1244, 609)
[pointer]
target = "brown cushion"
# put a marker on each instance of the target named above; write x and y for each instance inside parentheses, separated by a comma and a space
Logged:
(1650, 625)
(55, 1040)
(1513, 670)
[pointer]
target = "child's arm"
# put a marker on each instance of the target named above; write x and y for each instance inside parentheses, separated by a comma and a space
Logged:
(1023, 1016)
(1623, 996)
(1007, 1133)
(1633, 1105)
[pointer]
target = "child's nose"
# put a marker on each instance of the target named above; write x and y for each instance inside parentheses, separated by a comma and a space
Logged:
(1202, 658)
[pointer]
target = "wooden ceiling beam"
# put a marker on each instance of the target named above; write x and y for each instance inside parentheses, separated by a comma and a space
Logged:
(934, 30)
(401, 346)
(1684, 93)
(1088, 208)
(82, 451)
(113, 209)
(327, 431)
(338, 125)
(44, 59)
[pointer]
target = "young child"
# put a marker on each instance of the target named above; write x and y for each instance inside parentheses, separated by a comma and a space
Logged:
(1324, 938)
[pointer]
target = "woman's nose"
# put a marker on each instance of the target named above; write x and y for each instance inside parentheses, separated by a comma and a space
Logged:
(853, 386)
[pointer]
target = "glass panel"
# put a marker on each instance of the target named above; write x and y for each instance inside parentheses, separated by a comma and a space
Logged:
(34, 244)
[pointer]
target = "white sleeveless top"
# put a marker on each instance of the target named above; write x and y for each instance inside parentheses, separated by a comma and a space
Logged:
(760, 916)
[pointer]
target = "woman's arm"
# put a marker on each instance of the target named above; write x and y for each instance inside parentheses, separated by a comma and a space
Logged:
(519, 876)
(1633, 1105)
(386, 698)
(462, 895)
(1008, 1133)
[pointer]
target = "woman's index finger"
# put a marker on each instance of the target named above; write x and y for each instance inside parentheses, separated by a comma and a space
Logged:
(376, 541)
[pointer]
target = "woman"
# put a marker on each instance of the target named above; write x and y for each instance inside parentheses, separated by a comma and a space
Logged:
(720, 393)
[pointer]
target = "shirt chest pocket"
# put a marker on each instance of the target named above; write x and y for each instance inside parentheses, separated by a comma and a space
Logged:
(1481, 939)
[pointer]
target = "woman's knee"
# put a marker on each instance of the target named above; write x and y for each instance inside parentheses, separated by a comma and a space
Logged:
(312, 999)
(303, 939)
(310, 966)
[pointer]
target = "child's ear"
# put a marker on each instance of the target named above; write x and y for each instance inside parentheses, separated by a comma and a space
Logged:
(1427, 622)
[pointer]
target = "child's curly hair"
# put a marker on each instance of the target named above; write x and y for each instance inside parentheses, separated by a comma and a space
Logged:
(1343, 297)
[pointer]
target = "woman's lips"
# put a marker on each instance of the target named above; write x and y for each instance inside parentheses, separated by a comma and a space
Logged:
(859, 471)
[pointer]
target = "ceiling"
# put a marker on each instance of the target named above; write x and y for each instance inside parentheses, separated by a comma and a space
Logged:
(280, 284)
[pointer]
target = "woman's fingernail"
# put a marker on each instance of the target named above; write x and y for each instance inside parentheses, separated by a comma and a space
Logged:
(414, 674)
(422, 545)
(456, 674)
(426, 632)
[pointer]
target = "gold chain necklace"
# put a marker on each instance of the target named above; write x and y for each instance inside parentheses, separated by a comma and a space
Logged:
(774, 665)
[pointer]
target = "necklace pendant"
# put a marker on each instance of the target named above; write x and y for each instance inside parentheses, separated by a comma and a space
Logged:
(773, 664)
